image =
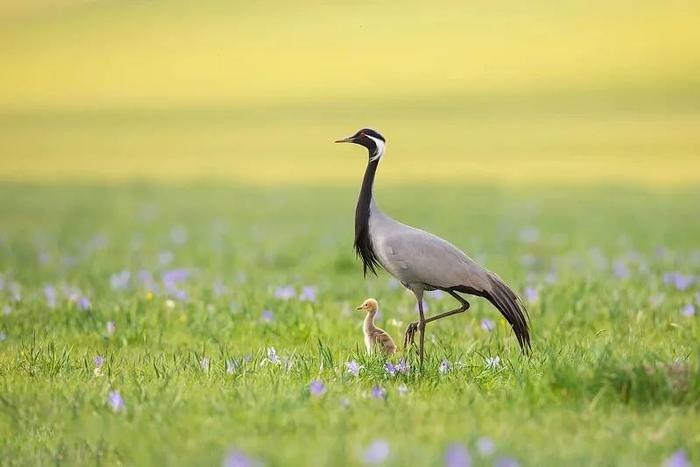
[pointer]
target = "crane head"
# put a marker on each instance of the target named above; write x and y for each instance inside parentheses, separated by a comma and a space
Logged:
(369, 138)
(369, 306)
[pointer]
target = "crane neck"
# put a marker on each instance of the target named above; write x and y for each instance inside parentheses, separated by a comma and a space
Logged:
(365, 204)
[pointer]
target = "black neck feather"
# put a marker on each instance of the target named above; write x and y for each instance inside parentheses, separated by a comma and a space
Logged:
(363, 242)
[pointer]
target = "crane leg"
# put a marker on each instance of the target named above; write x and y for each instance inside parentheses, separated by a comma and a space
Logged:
(421, 331)
(414, 327)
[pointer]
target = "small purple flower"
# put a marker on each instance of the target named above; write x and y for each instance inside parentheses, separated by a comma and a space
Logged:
(444, 366)
(487, 325)
(457, 455)
(390, 369)
(115, 401)
(285, 292)
(147, 281)
(403, 366)
(531, 295)
(308, 294)
(272, 356)
(505, 462)
(493, 362)
(235, 458)
(267, 316)
(204, 364)
(317, 388)
(682, 282)
(110, 328)
(120, 280)
(620, 269)
(378, 392)
(84, 304)
(688, 310)
(353, 367)
(50, 295)
(99, 360)
(485, 446)
(377, 452)
(678, 459)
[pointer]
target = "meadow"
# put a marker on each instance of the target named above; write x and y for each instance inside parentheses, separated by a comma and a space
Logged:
(139, 320)
(177, 279)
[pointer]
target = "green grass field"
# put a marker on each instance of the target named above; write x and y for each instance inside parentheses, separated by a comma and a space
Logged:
(613, 378)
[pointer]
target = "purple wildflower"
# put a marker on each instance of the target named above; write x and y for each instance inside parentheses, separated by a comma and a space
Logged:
(110, 328)
(378, 392)
(99, 360)
(688, 310)
(682, 282)
(444, 366)
(485, 446)
(353, 367)
(308, 294)
(272, 356)
(487, 325)
(84, 304)
(146, 280)
(285, 292)
(678, 459)
(50, 295)
(390, 369)
(235, 458)
(403, 366)
(620, 269)
(317, 388)
(505, 462)
(267, 316)
(457, 455)
(120, 280)
(115, 401)
(493, 362)
(377, 452)
(531, 295)
(204, 364)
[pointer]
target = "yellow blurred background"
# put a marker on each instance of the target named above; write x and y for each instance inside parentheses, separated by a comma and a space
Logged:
(499, 91)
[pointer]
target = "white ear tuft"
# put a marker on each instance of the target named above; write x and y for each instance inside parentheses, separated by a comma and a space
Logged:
(380, 148)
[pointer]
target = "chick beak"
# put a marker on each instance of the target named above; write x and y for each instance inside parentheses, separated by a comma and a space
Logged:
(359, 308)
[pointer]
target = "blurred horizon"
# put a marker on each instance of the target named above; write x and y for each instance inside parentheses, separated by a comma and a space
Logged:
(508, 93)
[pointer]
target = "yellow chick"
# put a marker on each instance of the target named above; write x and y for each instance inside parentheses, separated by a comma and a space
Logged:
(374, 336)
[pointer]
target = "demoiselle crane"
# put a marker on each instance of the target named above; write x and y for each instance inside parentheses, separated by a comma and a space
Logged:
(422, 261)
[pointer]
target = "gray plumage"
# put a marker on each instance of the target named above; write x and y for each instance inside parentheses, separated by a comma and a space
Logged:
(423, 261)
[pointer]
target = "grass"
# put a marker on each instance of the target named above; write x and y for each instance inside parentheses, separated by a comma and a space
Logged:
(601, 387)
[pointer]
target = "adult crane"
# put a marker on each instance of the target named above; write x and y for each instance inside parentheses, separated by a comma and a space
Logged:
(422, 261)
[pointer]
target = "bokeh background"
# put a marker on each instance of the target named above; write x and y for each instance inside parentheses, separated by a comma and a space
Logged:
(502, 92)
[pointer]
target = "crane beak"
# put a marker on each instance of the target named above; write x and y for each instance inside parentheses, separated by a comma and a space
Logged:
(349, 139)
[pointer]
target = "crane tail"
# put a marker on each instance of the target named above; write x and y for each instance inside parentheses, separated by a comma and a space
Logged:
(511, 307)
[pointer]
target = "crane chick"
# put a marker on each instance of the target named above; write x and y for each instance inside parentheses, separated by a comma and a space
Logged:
(375, 337)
